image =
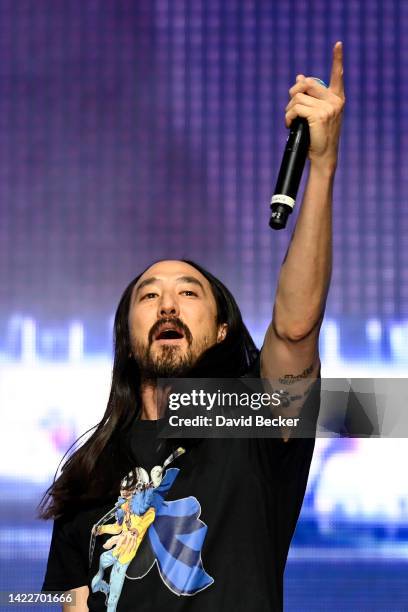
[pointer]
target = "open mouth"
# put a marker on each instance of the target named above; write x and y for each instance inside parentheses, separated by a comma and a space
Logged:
(168, 333)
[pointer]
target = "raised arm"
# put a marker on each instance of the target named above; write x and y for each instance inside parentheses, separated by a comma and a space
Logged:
(290, 350)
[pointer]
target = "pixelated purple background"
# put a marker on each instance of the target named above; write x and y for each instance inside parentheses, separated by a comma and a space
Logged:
(137, 130)
(132, 131)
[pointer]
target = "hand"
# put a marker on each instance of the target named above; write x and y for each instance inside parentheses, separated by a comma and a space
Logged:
(323, 108)
(124, 543)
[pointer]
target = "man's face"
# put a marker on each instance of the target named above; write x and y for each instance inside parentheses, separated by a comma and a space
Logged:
(172, 319)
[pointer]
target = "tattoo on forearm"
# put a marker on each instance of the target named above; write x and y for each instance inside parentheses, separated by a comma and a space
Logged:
(286, 400)
(290, 379)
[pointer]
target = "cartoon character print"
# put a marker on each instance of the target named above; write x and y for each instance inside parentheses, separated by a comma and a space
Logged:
(175, 536)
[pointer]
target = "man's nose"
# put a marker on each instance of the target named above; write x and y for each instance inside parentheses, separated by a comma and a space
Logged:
(168, 306)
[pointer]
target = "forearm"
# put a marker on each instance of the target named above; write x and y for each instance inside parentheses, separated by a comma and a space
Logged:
(306, 270)
(112, 529)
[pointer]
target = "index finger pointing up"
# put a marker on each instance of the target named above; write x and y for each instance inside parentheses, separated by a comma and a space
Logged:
(336, 76)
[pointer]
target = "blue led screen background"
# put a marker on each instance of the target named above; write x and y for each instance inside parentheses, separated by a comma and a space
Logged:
(137, 130)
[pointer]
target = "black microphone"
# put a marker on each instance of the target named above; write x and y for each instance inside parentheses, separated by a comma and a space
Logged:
(290, 173)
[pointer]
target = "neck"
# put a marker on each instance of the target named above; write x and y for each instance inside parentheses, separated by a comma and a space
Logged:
(153, 401)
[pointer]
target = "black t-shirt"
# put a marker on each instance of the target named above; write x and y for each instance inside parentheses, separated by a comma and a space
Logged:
(213, 535)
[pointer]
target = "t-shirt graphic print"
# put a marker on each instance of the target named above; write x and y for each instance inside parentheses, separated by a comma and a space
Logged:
(148, 529)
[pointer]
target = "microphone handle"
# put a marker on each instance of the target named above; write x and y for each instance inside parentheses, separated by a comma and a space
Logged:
(290, 173)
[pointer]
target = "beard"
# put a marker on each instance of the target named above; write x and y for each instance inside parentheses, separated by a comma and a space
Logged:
(172, 360)
(169, 363)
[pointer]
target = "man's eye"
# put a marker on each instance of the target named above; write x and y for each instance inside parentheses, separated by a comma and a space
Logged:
(189, 292)
(149, 295)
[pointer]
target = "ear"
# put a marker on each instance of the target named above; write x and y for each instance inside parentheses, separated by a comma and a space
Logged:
(222, 332)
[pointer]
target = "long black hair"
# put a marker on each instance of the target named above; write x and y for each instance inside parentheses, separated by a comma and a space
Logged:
(93, 471)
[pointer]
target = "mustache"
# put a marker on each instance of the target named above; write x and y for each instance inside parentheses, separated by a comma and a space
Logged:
(176, 321)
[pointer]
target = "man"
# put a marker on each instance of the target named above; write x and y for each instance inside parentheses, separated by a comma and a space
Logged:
(204, 525)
